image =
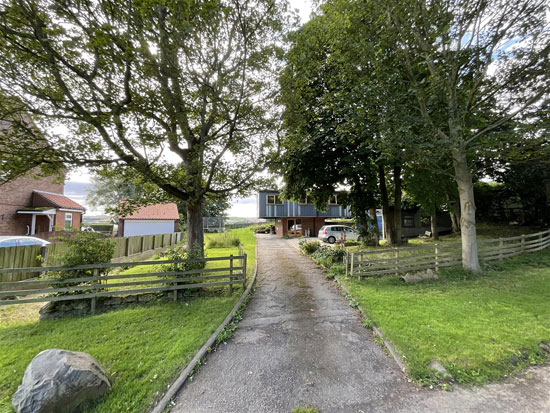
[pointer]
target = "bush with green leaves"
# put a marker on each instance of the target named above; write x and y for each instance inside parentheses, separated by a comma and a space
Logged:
(328, 256)
(308, 247)
(82, 248)
(262, 229)
(179, 252)
(223, 240)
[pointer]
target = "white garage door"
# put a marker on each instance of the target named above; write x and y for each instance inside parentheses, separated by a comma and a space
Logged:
(147, 227)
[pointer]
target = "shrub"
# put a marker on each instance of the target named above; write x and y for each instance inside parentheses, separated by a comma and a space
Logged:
(262, 229)
(327, 256)
(309, 247)
(224, 240)
(179, 252)
(83, 248)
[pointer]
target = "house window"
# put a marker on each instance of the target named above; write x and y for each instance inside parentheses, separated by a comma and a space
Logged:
(68, 220)
(408, 221)
(303, 201)
(333, 200)
(273, 200)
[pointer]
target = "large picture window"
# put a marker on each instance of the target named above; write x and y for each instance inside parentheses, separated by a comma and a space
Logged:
(68, 220)
(273, 200)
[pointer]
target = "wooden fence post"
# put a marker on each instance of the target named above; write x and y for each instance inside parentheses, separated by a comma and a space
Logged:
(522, 243)
(231, 274)
(346, 262)
(396, 261)
(351, 265)
(244, 270)
(95, 274)
(436, 257)
(500, 248)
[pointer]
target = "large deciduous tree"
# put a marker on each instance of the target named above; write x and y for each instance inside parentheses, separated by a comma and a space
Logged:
(181, 92)
(473, 66)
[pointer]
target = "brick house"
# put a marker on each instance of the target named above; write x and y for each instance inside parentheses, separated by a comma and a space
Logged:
(35, 205)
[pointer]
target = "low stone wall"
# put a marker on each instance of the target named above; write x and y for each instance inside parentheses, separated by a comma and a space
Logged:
(60, 309)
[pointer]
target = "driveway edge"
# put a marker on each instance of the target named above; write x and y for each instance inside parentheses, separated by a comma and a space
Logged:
(180, 381)
(389, 346)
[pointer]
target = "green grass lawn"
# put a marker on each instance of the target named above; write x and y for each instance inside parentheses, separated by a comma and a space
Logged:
(484, 232)
(479, 327)
(142, 348)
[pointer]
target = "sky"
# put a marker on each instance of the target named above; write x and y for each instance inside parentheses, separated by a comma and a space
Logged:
(78, 181)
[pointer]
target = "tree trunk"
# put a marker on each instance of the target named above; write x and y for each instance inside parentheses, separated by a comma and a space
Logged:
(195, 235)
(375, 229)
(453, 213)
(454, 222)
(433, 224)
(387, 212)
(463, 177)
(397, 203)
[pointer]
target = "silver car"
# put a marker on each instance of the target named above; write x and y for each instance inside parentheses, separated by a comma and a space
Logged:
(332, 233)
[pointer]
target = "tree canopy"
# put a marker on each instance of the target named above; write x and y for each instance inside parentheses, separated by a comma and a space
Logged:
(181, 92)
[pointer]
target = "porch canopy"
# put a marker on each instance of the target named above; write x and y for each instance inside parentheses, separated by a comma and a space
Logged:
(34, 211)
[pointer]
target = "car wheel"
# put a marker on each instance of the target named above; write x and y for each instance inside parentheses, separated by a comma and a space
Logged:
(359, 239)
(331, 240)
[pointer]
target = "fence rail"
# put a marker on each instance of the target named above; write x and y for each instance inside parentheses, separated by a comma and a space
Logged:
(401, 260)
(34, 255)
(170, 277)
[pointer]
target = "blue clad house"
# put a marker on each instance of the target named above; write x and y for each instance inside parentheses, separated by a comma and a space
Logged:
(297, 218)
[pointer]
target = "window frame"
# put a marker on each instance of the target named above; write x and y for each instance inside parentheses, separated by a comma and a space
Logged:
(405, 218)
(68, 215)
(275, 199)
(335, 197)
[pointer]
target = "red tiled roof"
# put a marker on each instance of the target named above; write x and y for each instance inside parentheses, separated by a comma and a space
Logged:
(157, 211)
(59, 201)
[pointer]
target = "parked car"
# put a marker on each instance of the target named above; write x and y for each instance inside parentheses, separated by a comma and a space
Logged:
(20, 241)
(332, 233)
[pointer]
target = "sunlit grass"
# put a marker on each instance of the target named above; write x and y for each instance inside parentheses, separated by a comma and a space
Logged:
(480, 327)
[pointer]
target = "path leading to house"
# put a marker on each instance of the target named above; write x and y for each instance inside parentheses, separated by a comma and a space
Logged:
(299, 344)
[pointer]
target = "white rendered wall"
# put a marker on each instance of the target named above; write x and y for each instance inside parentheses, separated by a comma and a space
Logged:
(147, 227)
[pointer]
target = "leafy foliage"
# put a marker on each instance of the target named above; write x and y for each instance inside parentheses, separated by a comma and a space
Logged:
(308, 247)
(181, 93)
(180, 252)
(84, 248)
(328, 256)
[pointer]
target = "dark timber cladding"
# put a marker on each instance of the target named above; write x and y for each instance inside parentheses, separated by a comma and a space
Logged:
(297, 218)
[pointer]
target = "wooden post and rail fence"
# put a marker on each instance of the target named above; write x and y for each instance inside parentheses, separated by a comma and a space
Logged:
(398, 261)
(35, 255)
(163, 276)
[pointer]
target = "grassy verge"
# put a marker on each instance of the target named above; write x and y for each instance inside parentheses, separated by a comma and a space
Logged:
(142, 348)
(480, 328)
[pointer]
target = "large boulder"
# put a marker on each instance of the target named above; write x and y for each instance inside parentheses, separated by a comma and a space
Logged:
(59, 381)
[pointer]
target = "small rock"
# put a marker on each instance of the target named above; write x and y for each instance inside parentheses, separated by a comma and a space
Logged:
(145, 298)
(545, 347)
(113, 301)
(441, 371)
(59, 381)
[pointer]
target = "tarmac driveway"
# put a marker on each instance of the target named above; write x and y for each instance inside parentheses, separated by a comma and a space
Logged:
(300, 343)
